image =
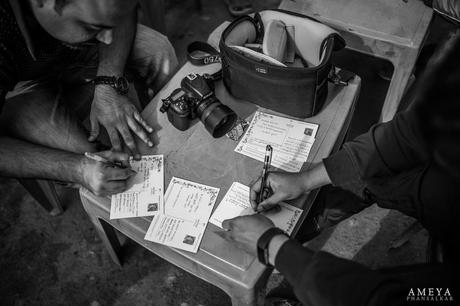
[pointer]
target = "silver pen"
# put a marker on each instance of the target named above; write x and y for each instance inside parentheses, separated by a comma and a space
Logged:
(101, 159)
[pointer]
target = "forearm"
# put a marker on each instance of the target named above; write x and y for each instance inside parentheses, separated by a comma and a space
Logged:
(316, 177)
(319, 278)
(386, 150)
(20, 159)
(113, 57)
(2, 98)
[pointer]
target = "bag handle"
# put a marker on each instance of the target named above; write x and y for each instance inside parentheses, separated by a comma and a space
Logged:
(211, 56)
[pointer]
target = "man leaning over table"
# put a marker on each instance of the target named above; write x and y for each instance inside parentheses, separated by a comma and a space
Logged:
(66, 61)
(411, 164)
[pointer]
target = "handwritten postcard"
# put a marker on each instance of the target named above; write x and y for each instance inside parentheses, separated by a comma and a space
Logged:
(291, 140)
(188, 206)
(144, 196)
(236, 203)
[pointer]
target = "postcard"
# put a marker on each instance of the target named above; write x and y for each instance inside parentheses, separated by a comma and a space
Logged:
(290, 139)
(188, 206)
(236, 203)
(144, 196)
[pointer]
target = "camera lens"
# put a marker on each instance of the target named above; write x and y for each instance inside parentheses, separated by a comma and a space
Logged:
(217, 118)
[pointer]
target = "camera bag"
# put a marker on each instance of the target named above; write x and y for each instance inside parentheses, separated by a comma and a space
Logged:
(296, 91)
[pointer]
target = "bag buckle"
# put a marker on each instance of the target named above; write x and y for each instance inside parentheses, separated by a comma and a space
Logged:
(340, 77)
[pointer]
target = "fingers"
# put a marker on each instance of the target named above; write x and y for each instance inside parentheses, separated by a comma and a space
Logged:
(129, 141)
(117, 174)
(94, 129)
(269, 208)
(116, 157)
(225, 235)
(230, 224)
(255, 189)
(114, 139)
(227, 224)
(144, 124)
(114, 187)
(139, 131)
(276, 198)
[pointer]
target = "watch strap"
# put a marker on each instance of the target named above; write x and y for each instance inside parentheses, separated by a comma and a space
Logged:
(264, 242)
(120, 84)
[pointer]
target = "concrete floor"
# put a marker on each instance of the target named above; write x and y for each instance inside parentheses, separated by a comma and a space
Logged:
(47, 260)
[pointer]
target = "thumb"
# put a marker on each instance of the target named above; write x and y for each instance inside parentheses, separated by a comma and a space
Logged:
(273, 199)
(228, 224)
(116, 156)
(94, 128)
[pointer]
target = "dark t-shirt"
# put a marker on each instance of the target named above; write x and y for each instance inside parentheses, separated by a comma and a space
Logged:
(27, 52)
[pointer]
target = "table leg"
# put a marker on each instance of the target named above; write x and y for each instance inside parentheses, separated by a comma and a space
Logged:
(44, 192)
(243, 296)
(105, 231)
(404, 67)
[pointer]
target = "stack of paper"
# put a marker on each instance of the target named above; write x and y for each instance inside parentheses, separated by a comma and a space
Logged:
(179, 217)
(188, 206)
(236, 203)
(290, 139)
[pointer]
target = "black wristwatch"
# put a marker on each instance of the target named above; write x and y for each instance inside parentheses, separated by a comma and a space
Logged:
(264, 242)
(120, 84)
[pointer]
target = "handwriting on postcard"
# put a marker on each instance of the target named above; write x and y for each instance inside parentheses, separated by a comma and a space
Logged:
(144, 196)
(291, 140)
(188, 206)
(236, 203)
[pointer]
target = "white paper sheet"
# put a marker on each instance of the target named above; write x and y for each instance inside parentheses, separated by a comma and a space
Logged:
(236, 203)
(188, 206)
(291, 140)
(144, 196)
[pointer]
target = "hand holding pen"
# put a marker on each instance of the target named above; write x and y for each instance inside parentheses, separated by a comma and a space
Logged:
(106, 173)
(283, 186)
(122, 162)
(264, 188)
(267, 162)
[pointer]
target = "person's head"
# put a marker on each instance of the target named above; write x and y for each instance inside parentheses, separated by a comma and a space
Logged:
(78, 21)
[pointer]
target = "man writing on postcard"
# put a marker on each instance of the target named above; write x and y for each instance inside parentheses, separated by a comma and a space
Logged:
(411, 164)
(66, 64)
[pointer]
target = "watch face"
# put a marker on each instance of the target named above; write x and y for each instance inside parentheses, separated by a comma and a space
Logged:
(122, 85)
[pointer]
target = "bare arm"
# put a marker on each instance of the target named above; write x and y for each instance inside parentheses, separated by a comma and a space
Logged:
(116, 112)
(21, 159)
(26, 160)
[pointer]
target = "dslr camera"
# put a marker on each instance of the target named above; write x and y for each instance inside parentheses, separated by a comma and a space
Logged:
(196, 99)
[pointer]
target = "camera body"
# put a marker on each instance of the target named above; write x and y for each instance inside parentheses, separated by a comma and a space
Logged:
(196, 99)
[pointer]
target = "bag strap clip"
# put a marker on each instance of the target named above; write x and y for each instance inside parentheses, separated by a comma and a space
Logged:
(340, 77)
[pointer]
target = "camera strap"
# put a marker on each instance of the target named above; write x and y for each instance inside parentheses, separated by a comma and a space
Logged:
(200, 54)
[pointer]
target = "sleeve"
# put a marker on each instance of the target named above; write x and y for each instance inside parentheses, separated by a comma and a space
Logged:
(7, 74)
(386, 150)
(2, 98)
(450, 9)
(323, 279)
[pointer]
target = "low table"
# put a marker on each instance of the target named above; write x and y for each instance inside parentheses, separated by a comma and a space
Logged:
(196, 156)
